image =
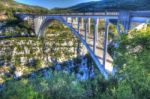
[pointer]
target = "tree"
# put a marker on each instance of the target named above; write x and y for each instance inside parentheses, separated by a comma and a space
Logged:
(132, 59)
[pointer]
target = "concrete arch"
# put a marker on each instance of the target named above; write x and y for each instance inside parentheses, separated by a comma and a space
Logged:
(45, 23)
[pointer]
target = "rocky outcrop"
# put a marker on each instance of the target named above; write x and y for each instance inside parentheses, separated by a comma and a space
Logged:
(3, 16)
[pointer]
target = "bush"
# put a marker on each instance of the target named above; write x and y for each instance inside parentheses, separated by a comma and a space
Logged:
(132, 59)
(59, 85)
(18, 90)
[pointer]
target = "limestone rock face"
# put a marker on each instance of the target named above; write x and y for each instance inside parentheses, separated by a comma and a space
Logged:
(18, 74)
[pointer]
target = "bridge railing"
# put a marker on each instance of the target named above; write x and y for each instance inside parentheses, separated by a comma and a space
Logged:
(77, 14)
(89, 14)
(140, 13)
(104, 13)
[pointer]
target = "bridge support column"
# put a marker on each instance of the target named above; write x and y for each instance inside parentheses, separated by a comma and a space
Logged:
(67, 19)
(76, 22)
(78, 25)
(89, 25)
(37, 25)
(85, 29)
(105, 41)
(72, 21)
(97, 23)
(82, 23)
(124, 22)
(94, 35)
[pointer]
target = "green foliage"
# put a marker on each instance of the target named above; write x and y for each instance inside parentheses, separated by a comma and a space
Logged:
(132, 59)
(9, 7)
(37, 63)
(59, 85)
(15, 28)
(19, 90)
(64, 86)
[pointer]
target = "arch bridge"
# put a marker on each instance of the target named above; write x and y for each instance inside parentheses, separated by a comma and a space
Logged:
(80, 25)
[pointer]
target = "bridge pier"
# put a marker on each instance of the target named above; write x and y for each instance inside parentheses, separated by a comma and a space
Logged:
(82, 23)
(66, 19)
(72, 21)
(89, 25)
(76, 22)
(85, 29)
(97, 25)
(105, 41)
(78, 29)
(123, 24)
(38, 21)
(95, 34)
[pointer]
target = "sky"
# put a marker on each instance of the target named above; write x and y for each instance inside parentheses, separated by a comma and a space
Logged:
(53, 3)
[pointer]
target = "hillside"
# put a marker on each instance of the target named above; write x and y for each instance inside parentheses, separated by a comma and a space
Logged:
(108, 5)
(7, 8)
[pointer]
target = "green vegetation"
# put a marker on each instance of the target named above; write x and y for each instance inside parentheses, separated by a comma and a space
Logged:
(58, 86)
(132, 61)
(131, 81)
(9, 7)
(16, 28)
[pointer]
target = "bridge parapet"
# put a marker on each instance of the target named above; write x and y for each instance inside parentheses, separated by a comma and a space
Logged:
(140, 13)
(105, 13)
(74, 14)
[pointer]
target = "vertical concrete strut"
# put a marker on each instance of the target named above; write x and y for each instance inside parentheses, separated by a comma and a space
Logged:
(82, 23)
(89, 25)
(37, 24)
(66, 19)
(97, 24)
(72, 21)
(78, 24)
(123, 22)
(94, 34)
(85, 29)
(41, 23)
(105, 41)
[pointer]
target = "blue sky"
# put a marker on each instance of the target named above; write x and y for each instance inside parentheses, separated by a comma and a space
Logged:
(53, 3)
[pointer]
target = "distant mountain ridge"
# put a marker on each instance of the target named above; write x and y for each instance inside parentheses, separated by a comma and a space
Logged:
(96, 6)
(15, 5)
(9, 7)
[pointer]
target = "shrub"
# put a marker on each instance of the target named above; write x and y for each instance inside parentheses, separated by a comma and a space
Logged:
(58, 85)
